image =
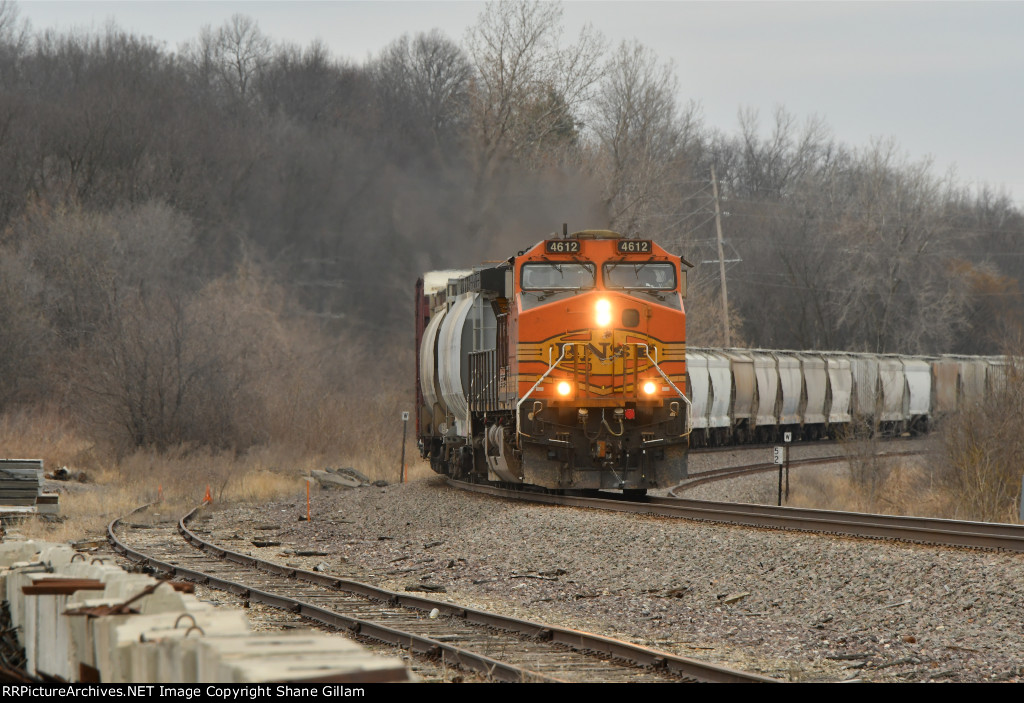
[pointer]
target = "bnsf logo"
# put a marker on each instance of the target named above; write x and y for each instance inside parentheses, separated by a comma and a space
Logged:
(600, 356)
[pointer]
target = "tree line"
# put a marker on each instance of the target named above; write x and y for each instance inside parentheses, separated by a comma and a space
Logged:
(216, 242)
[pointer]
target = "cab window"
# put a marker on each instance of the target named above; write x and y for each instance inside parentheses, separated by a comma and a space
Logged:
(545, 282)
(551, 276)
(652, 275)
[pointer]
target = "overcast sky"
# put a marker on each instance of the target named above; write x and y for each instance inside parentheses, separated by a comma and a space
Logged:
(944, 79)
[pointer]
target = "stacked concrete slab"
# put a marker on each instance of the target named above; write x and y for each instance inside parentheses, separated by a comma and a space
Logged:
(92, 621)
(21, 488)
(21, 480)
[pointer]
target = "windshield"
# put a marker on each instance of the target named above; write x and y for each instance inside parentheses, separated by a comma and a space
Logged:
(558, 276)
(656, 275)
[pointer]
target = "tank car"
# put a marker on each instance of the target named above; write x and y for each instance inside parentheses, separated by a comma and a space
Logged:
(562, 367)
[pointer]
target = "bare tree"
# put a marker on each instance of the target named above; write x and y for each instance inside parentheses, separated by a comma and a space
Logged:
(640, 135)
(892, 226)
(424, 88)
(230, 58)
(307, 85)
(855, 245)
(25, 337)
(788, 154)
(243, 51)
(10, 31)
(528, 81)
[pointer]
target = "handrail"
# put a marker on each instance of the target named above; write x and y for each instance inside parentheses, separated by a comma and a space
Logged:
(689, 407)
(552, 367)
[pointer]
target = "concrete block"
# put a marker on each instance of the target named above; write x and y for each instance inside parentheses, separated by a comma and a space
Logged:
(163, 600)
(85, 570)
(78, 632)
(142, 664)
(147, 647)
(47, 660)
(48, 503)
(13, 552)
(29, 626)
(56, 556)
(103, 629)
(12, 587)
(118, 587)
(121, 586)
(43, 629)
(54, 649)
(136, 640)
(219, 655)
(357, 667)
(81, 647)
(178, 661)
(175, 625)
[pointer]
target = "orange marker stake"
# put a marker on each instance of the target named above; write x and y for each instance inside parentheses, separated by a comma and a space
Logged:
(160, 494)
(208, 499)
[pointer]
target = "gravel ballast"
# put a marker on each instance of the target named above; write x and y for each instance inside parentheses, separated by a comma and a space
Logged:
(796, 606)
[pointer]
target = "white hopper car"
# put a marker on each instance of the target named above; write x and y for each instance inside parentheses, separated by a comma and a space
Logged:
(754, 395)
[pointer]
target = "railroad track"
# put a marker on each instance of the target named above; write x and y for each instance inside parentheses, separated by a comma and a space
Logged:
(498, 647)
(952, 533)
(824, 441)
(702, 477)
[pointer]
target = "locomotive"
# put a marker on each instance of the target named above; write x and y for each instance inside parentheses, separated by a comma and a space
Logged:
(563, 366)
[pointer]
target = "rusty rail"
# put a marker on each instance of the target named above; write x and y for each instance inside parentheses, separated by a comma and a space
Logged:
(582, 642)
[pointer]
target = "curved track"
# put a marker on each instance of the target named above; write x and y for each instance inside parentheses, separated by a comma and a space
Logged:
(499, 647)
(712, 475)
(952, 533)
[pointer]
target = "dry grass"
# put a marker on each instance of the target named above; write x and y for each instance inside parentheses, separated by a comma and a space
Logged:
(42, 434)
(923, 486)
(906, 487)
(182, 474)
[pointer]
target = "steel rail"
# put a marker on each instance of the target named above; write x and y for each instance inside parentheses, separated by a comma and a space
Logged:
(702, 477)
(823, 441)
(414, 643)
(571, 639)
(952, 533)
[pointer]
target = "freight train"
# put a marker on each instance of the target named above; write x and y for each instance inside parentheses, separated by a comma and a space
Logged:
(756, 395)
(563, 366)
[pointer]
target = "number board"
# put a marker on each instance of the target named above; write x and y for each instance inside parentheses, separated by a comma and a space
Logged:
(562, 246)
(634, 246)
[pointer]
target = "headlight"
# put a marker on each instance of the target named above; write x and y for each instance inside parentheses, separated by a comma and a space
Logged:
(650, 387)
(604, 313)
(564, 388)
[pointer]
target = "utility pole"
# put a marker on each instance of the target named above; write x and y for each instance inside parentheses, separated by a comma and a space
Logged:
(721, 258)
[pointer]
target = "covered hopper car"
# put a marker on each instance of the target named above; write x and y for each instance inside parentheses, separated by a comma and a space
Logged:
(754, 395)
